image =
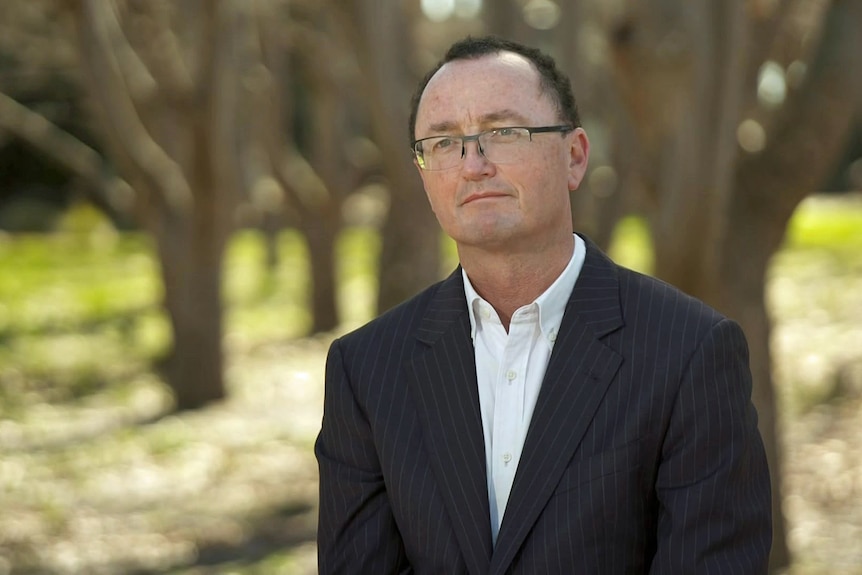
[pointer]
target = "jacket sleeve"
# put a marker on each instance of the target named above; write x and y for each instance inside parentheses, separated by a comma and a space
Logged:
(356, 530)
(712, 482)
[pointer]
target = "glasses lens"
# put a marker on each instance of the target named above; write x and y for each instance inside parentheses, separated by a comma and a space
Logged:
(440, 153)
(504, 145)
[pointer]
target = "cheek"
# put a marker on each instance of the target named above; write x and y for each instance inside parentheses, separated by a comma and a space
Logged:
(438, 200)
(438, 190)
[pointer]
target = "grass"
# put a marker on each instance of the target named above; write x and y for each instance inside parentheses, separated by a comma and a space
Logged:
(830, 223)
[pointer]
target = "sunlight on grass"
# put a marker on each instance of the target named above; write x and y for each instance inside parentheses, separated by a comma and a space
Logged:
(815, 280)
(61, 281)
(358, 250)
(263, 303)
(827, 222)
(631, 245)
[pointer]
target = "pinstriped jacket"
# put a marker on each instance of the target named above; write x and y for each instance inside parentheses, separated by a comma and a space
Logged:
(642, 456)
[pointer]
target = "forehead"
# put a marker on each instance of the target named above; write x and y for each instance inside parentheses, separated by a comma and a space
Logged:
(469, 93)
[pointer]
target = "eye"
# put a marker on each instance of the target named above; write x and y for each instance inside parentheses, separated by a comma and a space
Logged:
(442, 144)
(505, 135)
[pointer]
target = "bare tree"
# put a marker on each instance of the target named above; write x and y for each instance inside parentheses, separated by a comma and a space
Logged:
(38, 76)
(166, 81)
(106, 190)
(410, 258)
(313, 175)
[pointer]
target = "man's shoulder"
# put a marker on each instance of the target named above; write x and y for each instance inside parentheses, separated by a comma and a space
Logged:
(639, 291)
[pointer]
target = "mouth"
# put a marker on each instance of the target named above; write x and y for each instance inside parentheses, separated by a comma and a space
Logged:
(482, 196)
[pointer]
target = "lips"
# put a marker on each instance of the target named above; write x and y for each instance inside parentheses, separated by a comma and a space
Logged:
(483, 196)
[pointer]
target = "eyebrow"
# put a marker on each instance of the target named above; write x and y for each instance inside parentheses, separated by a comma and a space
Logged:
(448, 126)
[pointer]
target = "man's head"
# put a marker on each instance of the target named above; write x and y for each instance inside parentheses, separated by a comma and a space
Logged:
(553, 82)
(497, 149)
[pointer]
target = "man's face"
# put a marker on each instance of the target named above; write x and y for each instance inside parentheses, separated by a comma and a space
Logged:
(514, 207)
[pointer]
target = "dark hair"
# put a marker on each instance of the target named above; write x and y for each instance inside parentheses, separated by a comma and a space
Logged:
(552, 80)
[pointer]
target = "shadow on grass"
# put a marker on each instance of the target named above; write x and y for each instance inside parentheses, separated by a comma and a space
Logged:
(277, 532)
(123, 320)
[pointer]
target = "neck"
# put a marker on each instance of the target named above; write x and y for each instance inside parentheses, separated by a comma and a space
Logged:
(509, 281)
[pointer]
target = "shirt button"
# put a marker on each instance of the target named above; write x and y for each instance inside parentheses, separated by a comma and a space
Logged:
(511, 374)
(553, 336)
(486, 313)
(507, 457)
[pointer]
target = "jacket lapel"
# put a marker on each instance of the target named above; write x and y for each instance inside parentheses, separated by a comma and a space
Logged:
(443, 383)
(578, 375)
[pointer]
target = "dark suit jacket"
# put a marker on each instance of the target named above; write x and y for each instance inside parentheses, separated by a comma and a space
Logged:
(643, 454)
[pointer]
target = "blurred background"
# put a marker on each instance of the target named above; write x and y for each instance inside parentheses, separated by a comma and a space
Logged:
(196, 196)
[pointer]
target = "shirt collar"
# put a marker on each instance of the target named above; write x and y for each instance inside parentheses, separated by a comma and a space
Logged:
(551, 303)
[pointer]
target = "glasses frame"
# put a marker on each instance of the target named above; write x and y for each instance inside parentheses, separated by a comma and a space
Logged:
(420, 156)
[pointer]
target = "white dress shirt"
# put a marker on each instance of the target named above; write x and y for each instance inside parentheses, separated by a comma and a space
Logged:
(509, 369)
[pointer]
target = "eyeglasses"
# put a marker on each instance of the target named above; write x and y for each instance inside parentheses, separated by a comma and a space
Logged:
(507, 145)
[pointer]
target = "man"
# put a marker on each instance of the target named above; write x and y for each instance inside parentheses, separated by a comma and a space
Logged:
(542, 410)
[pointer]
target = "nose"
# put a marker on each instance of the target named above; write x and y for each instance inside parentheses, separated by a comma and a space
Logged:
(474, 160)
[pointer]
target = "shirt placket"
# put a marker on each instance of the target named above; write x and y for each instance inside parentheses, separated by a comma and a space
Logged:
(509, 406)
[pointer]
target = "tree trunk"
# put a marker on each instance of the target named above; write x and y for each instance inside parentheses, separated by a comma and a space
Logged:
(321, 233)
(599, 203)
(755, 238)
(328, 157)
(173, 133)
(270, 227)
(504, 18)
(696, 171)
(411, 252)
(191, 259)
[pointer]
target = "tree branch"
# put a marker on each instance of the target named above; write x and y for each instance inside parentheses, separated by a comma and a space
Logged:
(151, 166)
(164, 54)
(814, 125)
(67, 151)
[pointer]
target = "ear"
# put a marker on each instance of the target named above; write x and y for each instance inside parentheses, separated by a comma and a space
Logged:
(579, 155)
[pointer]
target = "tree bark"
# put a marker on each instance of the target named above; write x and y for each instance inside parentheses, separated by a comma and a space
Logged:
(191, 261)
(317, 184)
(321, 233)
(696, 165)
(411, 252)
(173, 131)
(104, 188)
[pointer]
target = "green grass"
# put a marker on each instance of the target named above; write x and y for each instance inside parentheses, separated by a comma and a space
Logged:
(827, 222)
(631, 245)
